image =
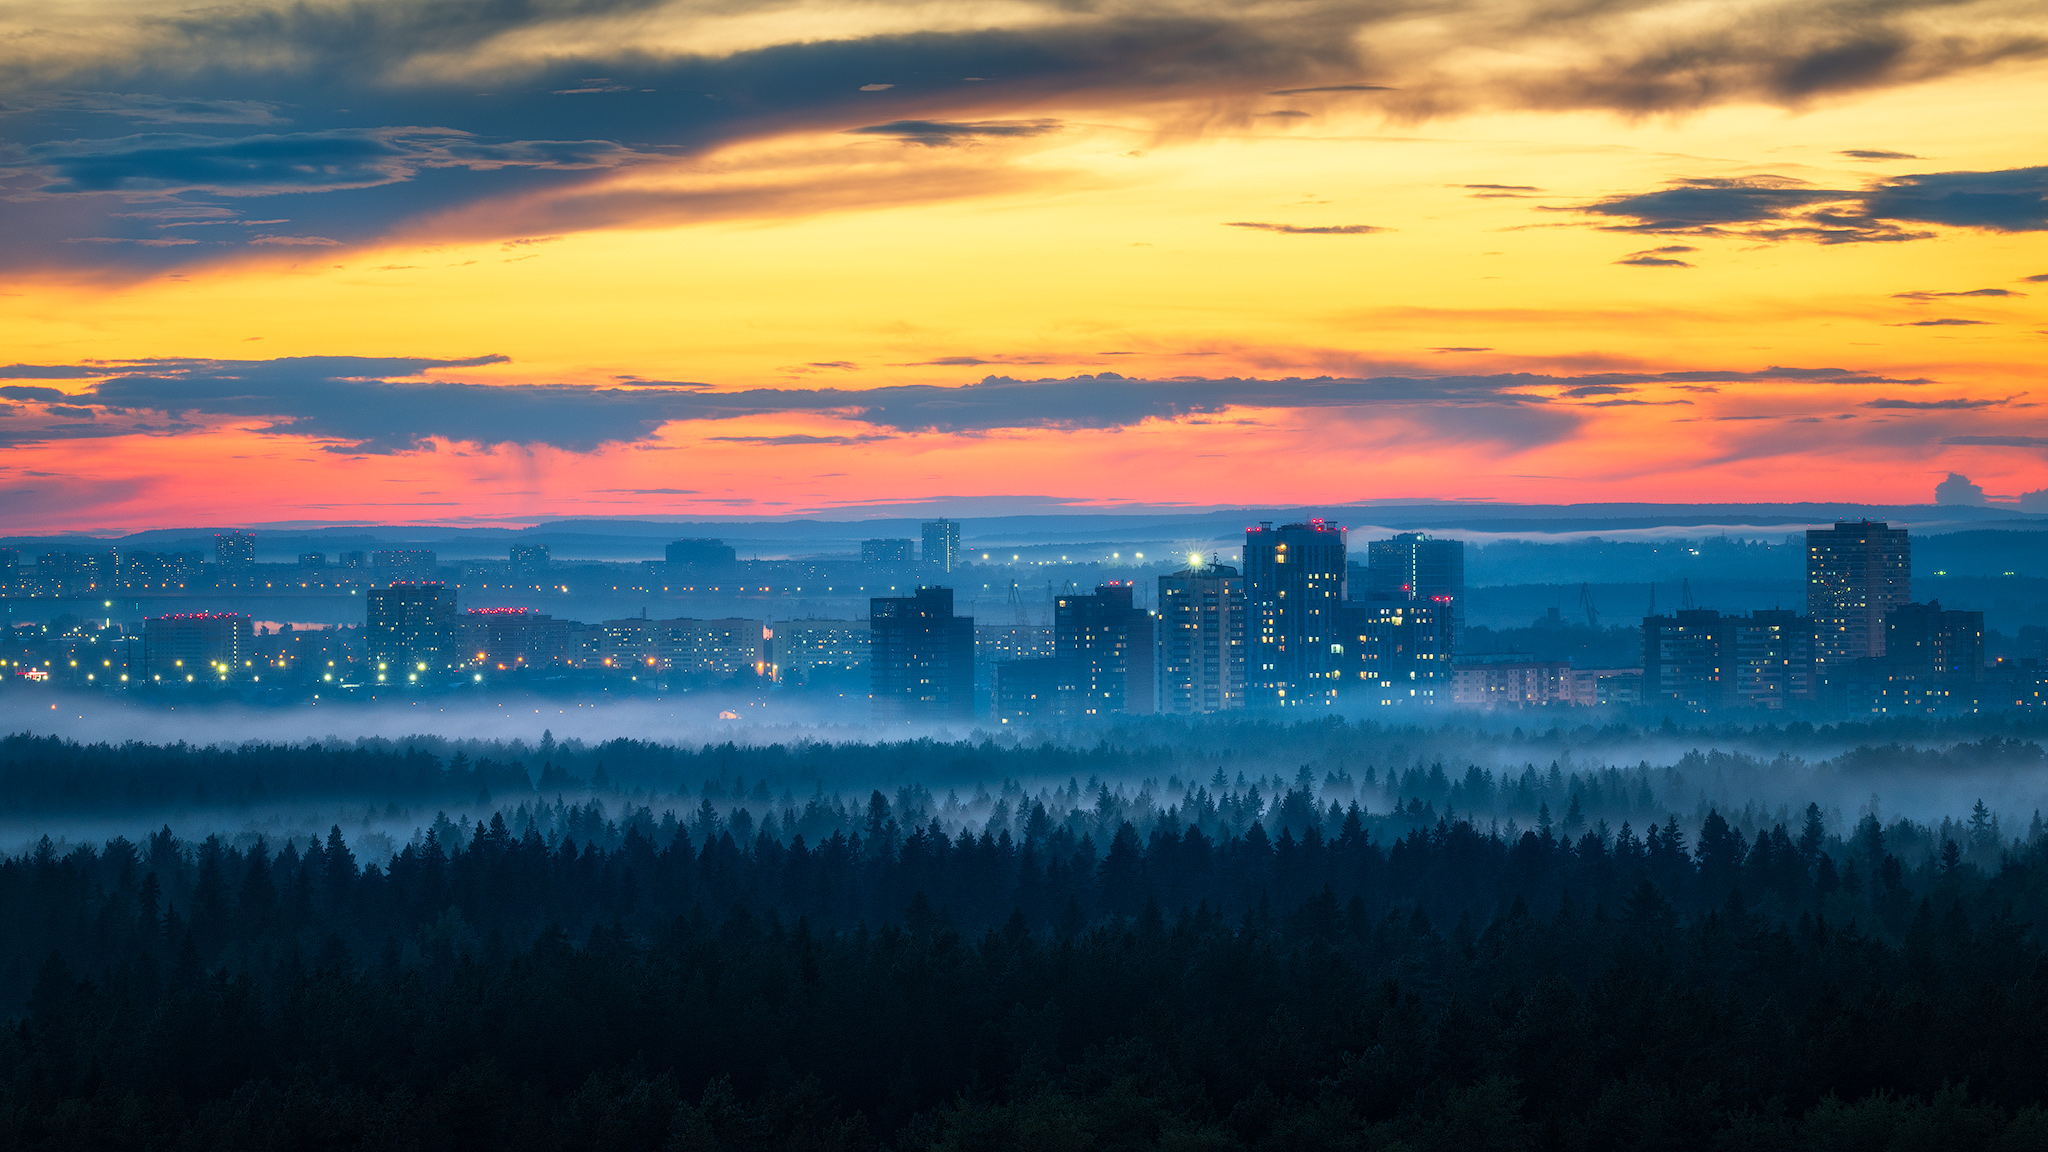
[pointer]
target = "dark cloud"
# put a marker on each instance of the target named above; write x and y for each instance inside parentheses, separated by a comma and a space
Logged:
(49, 372)
(947, 133)
(383, 405)
(1308, 229)
(1933, 405)
(1998, 441)
(1646, 261)
(1331, 88)
(798, 440)
(72, 412)
(1944, 322)
(164, 162)
(147, 108)
(23, 392)
(1873, 154)
(1782, 208)
(1459, 348)
(354, 79)
(1972, 292)
(2042, 278)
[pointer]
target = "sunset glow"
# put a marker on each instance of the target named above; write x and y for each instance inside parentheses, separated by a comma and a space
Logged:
(791, 258)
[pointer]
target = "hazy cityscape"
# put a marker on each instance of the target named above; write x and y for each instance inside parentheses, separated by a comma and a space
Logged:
(951, 625)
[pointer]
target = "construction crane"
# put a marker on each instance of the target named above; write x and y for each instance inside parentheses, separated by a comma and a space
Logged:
(1586, 602)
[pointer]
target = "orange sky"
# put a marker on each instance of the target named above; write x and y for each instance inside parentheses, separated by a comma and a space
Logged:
(1708, 295)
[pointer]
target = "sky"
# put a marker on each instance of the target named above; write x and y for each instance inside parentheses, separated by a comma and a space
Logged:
(493, 261)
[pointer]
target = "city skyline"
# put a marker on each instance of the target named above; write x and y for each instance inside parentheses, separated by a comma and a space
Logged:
(606, 259)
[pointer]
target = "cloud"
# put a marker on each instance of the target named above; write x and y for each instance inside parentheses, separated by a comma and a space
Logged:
(1998, 441)
(1308, 229)
(297, 241)
(1331, 88)
(1939, 295)
(147, 108)
(1585, 390)
(1873, 154)
(1944, 322)
(948, 133)
(1783, 208)
(24, 392)
(164, 162)
(1934, 405)
(2042, 278)
(1643, 260)
(1459, 348)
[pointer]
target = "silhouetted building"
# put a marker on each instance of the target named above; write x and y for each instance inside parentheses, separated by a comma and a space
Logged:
(701, 554)
(1027, 689)
(508, 639)
(1201, 630)
(410, 630)
(942, 544)
(1417, 566)
(1686, 658)
(1397, 652)
(161, 571)
(197, 647)
(819, 652)
(530, 561)
(1294, 591)
(234, 551)
(1517, 684)
(1933, 662)
(1104, 645)
(885, 551)
(403, 563)
(312, 559)
(10, 559)
(1771, 659)
(921, 656)
(354, 560)
(1855, 573)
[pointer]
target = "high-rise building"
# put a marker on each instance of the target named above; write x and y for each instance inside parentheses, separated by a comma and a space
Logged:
(198, 647)
(312, 559)
(885, 551)
(416, 564)
(1396, 652)
(1294, 591)
(1687, 659)
(1201, 631)
(509, 639)
(354, 560)
(1104, 646)
(920, 656)
(530, 561)
(1933, 662)
(1855, 573)
(820, 653)
(1417, 566)
(411, 629)
(10, 559)
(701, 554)
(1027, 689)
(942, 544)
(1772, 659)
(234, 551)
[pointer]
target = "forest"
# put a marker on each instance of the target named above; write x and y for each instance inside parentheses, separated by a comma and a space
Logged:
(1402, 939)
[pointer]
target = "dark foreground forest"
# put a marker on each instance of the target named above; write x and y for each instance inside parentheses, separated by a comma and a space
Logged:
(1299, 973)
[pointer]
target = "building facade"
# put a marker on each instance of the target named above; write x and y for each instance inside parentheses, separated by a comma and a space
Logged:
(1417, 566)
(410, 629)
(942, 544)
(234, 551)
(1201, 631)
(1104, 645)
(920, 656)
(885, 551)
(1855, 573)
(1398, 652)
(198, 647)
(491, 640)
(1294, 592)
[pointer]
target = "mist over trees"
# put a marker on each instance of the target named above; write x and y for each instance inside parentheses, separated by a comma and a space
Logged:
(1239, 934)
